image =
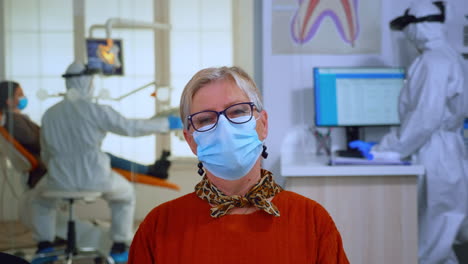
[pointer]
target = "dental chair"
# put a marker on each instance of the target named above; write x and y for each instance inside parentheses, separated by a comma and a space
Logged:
(147, 179)
(24, 162)
(19, 157)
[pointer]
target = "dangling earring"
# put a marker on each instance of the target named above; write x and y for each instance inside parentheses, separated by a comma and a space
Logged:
(200, 169)
(264, 153)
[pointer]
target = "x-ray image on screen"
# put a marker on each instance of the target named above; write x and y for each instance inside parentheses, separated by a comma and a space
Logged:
(105, 55)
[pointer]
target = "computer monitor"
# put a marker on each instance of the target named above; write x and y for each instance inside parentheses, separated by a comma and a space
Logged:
(105, 56)
(354, 97)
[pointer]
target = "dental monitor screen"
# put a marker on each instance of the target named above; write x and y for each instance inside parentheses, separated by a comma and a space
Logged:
(105, 56)
(357, 96)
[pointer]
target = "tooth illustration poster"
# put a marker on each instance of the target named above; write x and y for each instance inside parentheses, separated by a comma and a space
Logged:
(326, 26)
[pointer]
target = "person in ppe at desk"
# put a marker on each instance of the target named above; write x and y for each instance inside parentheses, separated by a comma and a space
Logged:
(431, 114)
(237, 213)
(71, 137)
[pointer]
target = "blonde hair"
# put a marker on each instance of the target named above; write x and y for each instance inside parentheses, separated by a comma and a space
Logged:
(209, 75)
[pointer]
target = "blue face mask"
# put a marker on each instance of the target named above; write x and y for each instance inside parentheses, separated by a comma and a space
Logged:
(229, 151)
(22, 103)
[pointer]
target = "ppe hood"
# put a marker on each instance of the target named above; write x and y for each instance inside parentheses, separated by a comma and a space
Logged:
(79, 70)
(79, 78)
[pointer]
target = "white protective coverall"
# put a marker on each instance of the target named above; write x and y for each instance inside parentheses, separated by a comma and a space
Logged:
(71, 136)
(431, 117)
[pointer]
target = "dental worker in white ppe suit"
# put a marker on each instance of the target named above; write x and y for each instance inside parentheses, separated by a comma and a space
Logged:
(432, 111)
(71, 137)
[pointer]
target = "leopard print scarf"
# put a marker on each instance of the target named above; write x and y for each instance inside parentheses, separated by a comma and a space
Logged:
(257, 196)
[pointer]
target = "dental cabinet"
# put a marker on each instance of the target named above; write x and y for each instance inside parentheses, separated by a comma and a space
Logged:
(374, 206)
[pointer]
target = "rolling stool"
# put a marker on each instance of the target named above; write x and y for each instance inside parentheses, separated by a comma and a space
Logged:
(71, 250)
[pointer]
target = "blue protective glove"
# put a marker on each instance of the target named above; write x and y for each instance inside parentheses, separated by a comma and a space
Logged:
(175, 123)
(363, 147)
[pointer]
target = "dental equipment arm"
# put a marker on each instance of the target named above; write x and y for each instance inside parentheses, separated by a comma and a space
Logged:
(126, 23)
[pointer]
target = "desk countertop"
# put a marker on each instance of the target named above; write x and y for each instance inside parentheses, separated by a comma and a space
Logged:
(310, 166)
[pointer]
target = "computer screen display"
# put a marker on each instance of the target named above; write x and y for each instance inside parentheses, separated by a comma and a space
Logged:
(357, 96)
(105, 56)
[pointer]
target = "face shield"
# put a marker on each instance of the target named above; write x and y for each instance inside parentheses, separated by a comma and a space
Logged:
(401, 22)
(82, 72)
(78, 79)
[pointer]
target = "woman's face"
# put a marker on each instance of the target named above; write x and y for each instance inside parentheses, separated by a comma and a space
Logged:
(217, 96)
(14, 100)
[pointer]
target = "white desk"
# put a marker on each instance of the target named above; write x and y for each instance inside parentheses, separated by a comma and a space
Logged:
(374, 207)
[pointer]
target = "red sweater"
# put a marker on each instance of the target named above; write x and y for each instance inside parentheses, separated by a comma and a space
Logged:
(182, 231)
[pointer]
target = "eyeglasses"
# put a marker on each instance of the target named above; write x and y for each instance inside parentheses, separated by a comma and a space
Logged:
(206, 120)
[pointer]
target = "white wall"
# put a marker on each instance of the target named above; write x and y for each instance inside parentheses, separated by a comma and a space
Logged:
(287, 79)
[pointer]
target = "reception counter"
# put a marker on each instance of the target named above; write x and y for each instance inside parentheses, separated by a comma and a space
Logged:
(373, 206)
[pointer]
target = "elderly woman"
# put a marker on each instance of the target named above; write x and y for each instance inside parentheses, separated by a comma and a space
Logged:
(237, 214)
